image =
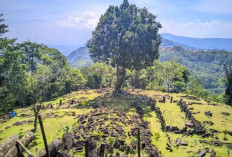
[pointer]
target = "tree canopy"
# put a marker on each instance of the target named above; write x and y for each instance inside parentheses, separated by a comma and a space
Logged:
(127, 37)
(32, 72)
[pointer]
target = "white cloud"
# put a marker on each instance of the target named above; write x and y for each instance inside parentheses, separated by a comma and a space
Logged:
(87, 20)
(209, 29)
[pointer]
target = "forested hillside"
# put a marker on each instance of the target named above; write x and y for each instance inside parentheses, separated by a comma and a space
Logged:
(206, 65)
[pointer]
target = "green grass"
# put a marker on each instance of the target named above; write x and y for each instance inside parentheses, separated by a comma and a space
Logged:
(171, 113)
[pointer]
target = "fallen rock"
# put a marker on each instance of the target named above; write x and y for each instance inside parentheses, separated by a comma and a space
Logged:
(201, 153)
(63, 154)
(168, 147)
(8, 144)
(53, 148)
(225, 113)
(27, 138)
(67, 141)
(210, 114)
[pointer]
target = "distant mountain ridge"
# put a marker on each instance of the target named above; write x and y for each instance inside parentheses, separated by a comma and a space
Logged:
(204, 63)
(80, 57)
(201, 43)
(170, 43)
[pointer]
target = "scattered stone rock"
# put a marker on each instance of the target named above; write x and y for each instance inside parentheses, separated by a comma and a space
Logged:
(210, 114)
(27, 138)
(54, 147)
(225, 113)
(67, 141)
(64, 154)
(7, 127)
(208, 122)
(168, 147)
(201, 153)
(8, 144)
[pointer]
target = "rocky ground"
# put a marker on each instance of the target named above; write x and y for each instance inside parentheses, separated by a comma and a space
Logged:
(169, 125)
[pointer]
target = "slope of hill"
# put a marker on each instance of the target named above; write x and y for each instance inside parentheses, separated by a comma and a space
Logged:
(201, 43)
(78, 54)
(80, 57)
(207, 65)
(174, 128)
(170, 43)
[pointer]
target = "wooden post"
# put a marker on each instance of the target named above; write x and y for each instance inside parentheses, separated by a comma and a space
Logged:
(18, 149)
(60, 102)
(44, 136)
(138, 142)
(20, 154)
(86, 148)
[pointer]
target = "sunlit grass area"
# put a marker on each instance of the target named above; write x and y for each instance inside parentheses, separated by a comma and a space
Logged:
(54, 127)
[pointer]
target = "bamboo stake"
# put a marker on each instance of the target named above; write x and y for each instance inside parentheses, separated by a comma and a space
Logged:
(19, 152)
(86, 148)
(44, 136)
(139, 142)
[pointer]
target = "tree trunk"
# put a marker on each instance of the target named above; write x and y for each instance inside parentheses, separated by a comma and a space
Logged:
(228, 91)
(121, 73)
(36, 112)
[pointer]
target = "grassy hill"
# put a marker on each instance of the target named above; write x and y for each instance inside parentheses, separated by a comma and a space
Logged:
(136, 107)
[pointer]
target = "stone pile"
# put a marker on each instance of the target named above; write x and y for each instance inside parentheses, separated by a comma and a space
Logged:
(5, 117)
(97, 126)
(197, 127)
(191, 97)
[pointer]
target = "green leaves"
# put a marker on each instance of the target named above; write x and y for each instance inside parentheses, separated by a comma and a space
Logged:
(110, 140)
(166, 76)
(99, 75)
(126, 36)
(33, 72)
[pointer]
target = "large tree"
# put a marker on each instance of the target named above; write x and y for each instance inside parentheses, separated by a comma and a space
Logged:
(127, 37)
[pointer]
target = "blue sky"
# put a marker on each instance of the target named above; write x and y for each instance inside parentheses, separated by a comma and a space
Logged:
(67, 24)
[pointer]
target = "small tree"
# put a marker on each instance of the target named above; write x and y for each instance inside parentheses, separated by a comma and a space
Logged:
(36, 110)
(127, 37)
